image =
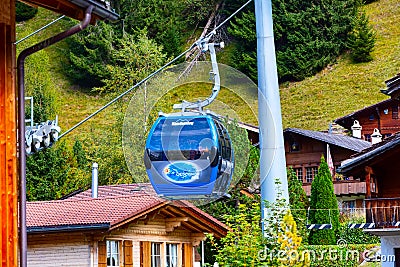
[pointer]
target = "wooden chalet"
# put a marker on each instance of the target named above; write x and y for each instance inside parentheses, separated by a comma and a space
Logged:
(378, 167)
(383, 116)
(392, 87)
(303, 150)
(125, 225)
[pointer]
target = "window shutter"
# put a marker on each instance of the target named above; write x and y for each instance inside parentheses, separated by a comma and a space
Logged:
(145, 254)
(102, 254)
(128, 259)
(187, 260)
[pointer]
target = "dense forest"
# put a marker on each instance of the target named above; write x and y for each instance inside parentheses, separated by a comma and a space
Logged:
(111, 57)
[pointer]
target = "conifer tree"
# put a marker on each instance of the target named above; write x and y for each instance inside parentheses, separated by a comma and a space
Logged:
(323, 207)
(362, 39)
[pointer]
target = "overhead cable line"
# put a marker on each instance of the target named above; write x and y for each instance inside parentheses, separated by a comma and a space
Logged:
(39, 30)
(208, 36)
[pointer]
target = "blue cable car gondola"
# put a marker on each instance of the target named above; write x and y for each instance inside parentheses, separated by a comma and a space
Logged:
(189, 157)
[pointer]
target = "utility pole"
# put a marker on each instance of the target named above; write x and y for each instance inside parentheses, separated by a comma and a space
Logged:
(272, 158)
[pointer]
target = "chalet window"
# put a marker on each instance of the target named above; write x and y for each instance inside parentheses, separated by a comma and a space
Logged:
(309, 174)
(371, 117)
(349, 207)
(299, 174)
(172, 255)
(367, 137)
(155, 254)
(315, 171)
(113, 255)
(395, 112)
(387, 135)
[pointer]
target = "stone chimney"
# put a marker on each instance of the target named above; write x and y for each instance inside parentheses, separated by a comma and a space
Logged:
(376, 136)
(356, 129)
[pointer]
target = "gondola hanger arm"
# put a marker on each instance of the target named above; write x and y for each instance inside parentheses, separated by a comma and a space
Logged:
(205, 46)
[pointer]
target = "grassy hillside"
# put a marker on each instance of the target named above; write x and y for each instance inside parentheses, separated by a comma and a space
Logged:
(338, 90)
(73, 103)
(345, 87)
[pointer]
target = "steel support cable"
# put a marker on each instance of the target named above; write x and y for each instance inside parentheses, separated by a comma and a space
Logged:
(39, 30)
(209, 35)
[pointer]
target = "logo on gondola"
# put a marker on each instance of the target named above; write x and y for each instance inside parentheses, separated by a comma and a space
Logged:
(182, 123)
(181, 172)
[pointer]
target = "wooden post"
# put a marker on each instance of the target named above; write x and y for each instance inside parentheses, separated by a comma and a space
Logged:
(8, 140)
(368, 171)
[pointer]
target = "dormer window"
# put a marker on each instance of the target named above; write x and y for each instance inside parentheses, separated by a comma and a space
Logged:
(371, 117)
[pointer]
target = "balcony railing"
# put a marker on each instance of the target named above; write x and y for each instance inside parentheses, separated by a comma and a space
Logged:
(343, 188)
(384, 212)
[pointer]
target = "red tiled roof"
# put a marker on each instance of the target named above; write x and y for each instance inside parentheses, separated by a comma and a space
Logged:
(88, 211)
(114, 204)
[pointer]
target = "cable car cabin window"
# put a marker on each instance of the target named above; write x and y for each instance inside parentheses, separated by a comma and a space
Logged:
(223, 140)
(180, 140)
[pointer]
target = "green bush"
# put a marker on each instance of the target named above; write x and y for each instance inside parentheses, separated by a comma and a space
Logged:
(355, 236)
(24, 12)
(54, 172)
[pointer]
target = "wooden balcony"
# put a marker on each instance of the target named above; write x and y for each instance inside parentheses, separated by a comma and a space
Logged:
(343, 188)
(384, 212)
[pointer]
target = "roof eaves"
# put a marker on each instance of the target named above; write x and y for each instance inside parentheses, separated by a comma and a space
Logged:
(205, 217)
(100, 9)
(67, 228)
(357, 112)
(363, 158)
(137, 214)
(327, 139)
(392, 85)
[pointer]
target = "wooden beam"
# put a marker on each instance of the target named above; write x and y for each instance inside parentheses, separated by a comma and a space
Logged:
(197, 238)
(8, 141)
(368, 171)
(172, 223)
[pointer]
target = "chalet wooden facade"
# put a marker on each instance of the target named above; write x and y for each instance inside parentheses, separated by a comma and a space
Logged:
(126, 225)
(303, 150)
(383, 116)
(379, 168)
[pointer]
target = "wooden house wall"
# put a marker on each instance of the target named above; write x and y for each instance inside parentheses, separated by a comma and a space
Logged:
(386, 123)
(78, 249)
(8, 147)
(154, 231)
(386, 172)
(59, 250)
(310, 152)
